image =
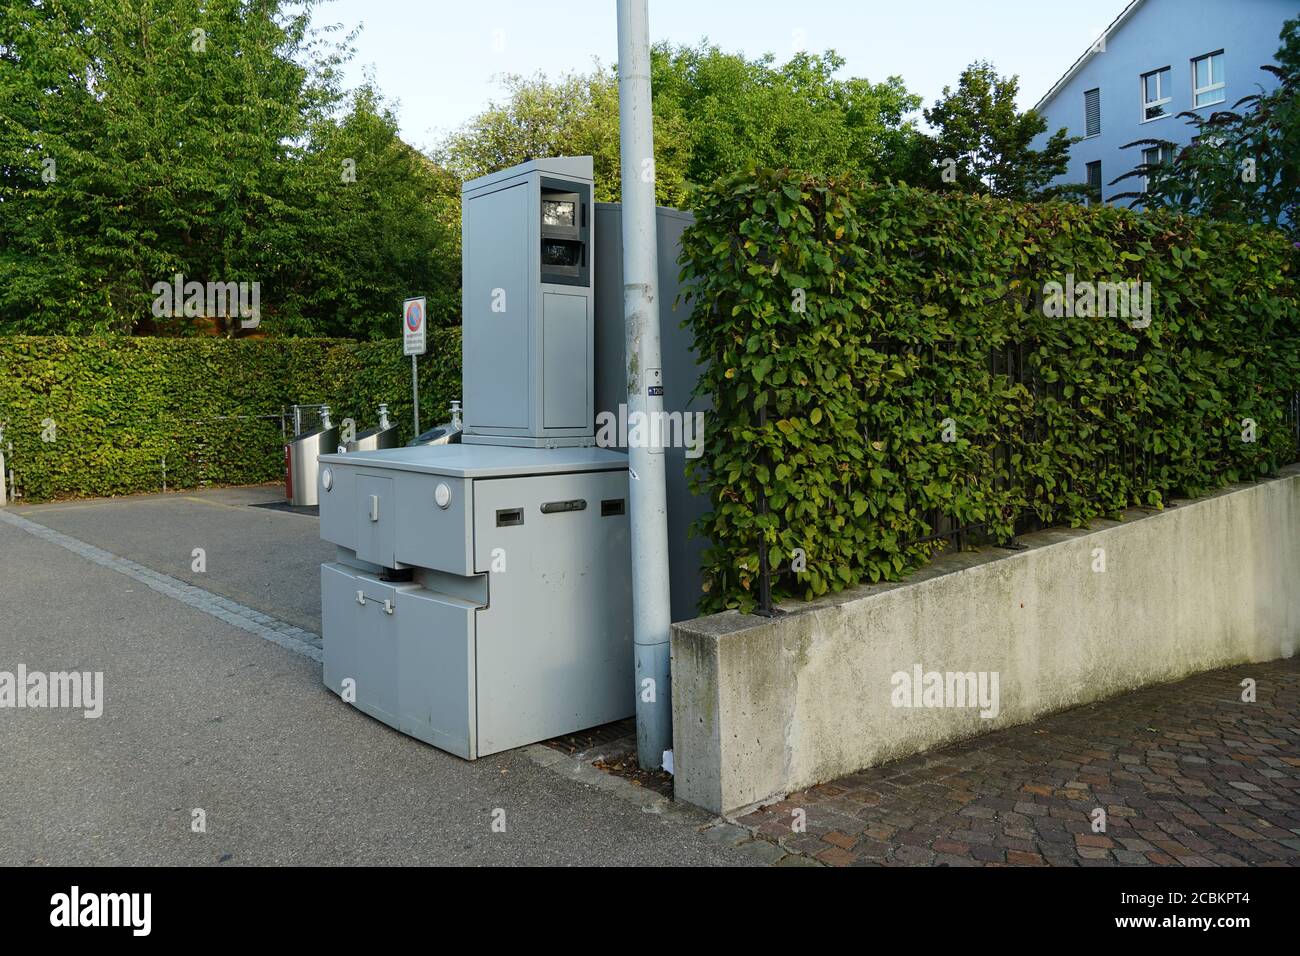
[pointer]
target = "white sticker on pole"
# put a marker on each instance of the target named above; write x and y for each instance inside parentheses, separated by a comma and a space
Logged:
(414, 327)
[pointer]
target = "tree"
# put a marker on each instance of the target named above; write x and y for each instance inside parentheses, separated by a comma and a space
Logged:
(575, 115)
(715, 112)
(160, 129)
(145, 138)
(982, 143)
(374, 221)
(1243, 165)
(737, 112)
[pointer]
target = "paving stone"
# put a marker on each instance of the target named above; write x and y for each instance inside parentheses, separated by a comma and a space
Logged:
(836, 856)
(913, 855)
(841, 840)
(762, 852)
(1187, 776)
(725, 833)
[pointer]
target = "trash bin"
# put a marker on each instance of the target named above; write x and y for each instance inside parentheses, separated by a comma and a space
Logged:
(373, 439)
(301, 465)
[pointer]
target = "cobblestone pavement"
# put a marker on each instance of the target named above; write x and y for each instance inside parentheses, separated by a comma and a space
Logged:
(1186, 773)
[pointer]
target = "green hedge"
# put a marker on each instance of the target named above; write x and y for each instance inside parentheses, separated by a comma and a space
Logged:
(920, 308)
(120, 405)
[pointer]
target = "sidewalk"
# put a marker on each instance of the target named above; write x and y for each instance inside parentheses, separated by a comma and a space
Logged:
(1186, 774)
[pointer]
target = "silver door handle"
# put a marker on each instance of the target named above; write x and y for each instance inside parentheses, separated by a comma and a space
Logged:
(374, 507)
(361, 597)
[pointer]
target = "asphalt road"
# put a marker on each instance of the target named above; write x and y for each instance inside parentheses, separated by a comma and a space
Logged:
(199, 714)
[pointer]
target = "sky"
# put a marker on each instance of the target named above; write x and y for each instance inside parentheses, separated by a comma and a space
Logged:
(437, 60)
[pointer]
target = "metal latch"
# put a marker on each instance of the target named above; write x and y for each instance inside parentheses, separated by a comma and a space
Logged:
(374, 507)
(389, 607)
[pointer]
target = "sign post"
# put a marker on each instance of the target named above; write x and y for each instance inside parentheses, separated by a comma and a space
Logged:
(414, 343)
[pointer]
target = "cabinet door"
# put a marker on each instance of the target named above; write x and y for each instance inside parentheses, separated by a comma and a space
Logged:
(430, 536)
(566, 384)
(435, 670)
(361, 639)
(375, 520)
(338, 626)
(495, 308)
(377, 637)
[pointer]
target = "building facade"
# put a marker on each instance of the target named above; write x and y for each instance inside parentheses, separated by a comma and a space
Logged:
(1158, 59)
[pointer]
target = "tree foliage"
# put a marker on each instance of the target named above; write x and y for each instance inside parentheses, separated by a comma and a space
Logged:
(985, 144)
(574, 115)
(145, 138)
(738, 112)
(715, 112)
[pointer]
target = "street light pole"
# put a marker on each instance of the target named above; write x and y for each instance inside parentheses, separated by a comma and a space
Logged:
(647, 498)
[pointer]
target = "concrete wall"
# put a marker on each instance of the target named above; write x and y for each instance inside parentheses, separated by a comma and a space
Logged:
(764, 707)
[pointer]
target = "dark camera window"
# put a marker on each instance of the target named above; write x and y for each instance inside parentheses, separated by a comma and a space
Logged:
(561, 253)
(558, 213)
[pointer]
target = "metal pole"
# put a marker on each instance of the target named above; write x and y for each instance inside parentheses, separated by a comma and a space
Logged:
(415, 394)
(764, 562)
(651, 613)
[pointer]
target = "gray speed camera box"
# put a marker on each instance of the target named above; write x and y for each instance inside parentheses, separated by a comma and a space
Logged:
(527, 311)
(480, 597)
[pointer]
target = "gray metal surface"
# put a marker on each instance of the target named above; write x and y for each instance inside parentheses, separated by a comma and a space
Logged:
(408, 652)
(484, 461)
(422, 534)
(496, 307)
(681, 372)
(481, 593)
(554, 646)
(566, 360)
(374, 509)
(543, 639)
(524, 351)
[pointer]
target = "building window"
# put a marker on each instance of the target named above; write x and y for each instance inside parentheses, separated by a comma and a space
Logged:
(1092, 112)
(1207, 80)
(1155, 94)
(1094, 182)
(1155, 156)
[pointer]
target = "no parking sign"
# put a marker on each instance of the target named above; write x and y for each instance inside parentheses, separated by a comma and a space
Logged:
(414, 327)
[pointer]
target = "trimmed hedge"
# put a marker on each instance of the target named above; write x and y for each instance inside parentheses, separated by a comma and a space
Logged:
(923, 319)
(120, 404)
